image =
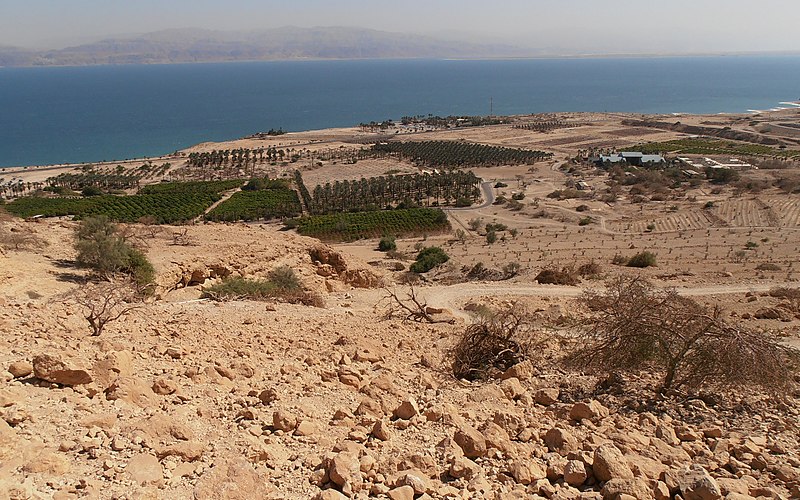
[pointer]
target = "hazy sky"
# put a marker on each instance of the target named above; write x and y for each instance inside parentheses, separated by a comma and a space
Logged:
(565, 25)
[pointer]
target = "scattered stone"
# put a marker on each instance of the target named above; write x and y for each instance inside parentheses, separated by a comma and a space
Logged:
(164, 386)
(560, 440)
(631, 489)
(546, 397)
(20, 369)
(382, 430)
(471, 441)
(284, 421)
(345, 471)
(52, 369)
(232, 479)
(695, 483)
(609, 464)
(268, 396)
(521, 371)
(575, 473)
(402, 493)
(305, 428)
(527, 471)
(407, 409)
(145, 469)
(592, 410)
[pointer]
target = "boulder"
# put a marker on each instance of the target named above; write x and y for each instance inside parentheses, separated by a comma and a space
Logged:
(164, 386)
(232, 479)
(20, 369)
(592, 410)
(471, 441)
(527, 471)
(52, 369)
(575, 473)
(284, 421)
(695, 483)
(547, 396)
(405, 492)
(626, 488)
(382, 430)
(114, 365)
(145, 469)
(609, 464)
(521, 371)
(345, 471)
(132, 390)
(560, 440)
(407, 409)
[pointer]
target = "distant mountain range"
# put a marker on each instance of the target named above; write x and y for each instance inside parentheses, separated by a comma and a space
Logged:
(195, 45)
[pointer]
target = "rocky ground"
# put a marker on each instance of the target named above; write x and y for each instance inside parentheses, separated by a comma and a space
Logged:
(184, 398)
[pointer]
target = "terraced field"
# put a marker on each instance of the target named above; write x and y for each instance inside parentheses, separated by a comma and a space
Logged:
(788, 211)
(682, 221)
(745, 213)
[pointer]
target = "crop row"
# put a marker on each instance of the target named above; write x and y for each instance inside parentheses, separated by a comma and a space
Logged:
(353, 226)
(459, 154)
(166, 208)
(715, 147)
(257, 205)
(192, 187)
(460, 187)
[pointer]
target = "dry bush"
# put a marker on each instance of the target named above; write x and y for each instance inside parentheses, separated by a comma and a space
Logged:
(14, 238)
(590, 269)
(635, 327)
(552, 275)
(103, 303)
(497, 342)
(410, 308)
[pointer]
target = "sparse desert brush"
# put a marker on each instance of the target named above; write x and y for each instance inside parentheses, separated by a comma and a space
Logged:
(498, 341)
(553, 275)
(768, 266)
(282, 285)
(633, 326)
(590, 269)
(642, 259)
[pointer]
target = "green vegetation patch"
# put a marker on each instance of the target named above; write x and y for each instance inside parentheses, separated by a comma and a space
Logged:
(460, 154)
(192, 187)
(429, 258)
(165, 208)
(256, 205)
(359, 225)
(714, 147)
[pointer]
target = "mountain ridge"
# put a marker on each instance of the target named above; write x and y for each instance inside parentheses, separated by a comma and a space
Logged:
(289, 42)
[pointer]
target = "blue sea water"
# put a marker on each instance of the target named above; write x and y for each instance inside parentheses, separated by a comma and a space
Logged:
(85, 114)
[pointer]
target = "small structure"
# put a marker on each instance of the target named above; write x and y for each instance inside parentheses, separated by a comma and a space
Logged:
(631, 158)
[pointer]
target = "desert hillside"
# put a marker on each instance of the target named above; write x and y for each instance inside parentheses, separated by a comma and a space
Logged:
(357, 386)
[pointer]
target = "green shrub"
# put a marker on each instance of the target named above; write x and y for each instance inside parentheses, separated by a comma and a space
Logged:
(428, 258)
(585, 221)
(282, 285)
(101, 248)
(387, 243)
(642, 259)
(491, 237)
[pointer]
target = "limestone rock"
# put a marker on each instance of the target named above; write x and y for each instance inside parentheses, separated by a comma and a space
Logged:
(405, 492)
(471, 441)
(284, 421)
(188, 451)
(345, 470)
(618, 488)
(306, 428)
(547, 396)
(20, 369)
(560, 440)
(575, 473)
(52, 369)
(609, 464)
(407, 409)
(145, 469)
(464, 468)
(415, 478)
(527, 471)
(232, 479)
(695, 483)
(592, 410)
(382, 430)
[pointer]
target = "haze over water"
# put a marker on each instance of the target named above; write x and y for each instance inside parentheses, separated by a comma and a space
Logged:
(86, 114)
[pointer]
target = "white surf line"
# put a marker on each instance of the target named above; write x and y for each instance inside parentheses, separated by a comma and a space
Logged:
(795, 104)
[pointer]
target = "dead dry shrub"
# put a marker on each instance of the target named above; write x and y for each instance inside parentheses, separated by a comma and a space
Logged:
(590, 269)
(553, 275)
(16, 238)
(498, 341)
(636, 327)
(106, 302)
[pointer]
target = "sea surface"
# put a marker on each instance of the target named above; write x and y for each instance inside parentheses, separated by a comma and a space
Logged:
(86, 114)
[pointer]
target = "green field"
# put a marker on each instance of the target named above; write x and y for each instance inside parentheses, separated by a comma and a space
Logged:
(166, 208)
(714, 147)
(457, 154)
(192, 187)
(359, 225)
(257, 205)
